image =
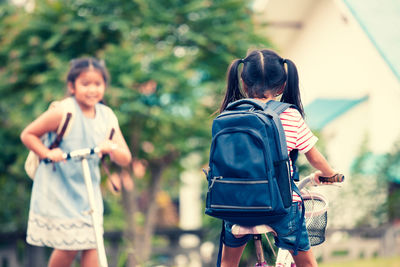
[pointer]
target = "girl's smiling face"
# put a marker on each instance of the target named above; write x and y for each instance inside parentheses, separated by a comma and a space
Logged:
(88, 89)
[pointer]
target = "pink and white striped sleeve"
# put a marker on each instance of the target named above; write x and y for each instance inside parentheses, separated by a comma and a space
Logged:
(305, 138)
(298, 135)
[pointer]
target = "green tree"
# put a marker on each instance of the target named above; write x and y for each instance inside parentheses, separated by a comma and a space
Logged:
(367, 184)
(167, 61)
(389, 172)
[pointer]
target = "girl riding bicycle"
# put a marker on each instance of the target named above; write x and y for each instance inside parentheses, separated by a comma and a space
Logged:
(58, 215)
(264, 77)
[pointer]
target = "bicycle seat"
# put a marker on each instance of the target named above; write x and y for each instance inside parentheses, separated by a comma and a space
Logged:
(239, 230)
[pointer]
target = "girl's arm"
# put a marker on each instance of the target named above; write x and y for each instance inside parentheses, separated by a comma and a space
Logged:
(318, 161)
(117, 148)
(45, 123)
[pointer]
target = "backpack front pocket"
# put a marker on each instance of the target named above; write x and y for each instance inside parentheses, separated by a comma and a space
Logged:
(239, 194)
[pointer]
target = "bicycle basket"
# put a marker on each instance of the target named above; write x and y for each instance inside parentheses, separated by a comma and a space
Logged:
(316, 214)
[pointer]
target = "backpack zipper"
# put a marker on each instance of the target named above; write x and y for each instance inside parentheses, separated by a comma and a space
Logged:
(240, 207)
(219, 179)
(265, 181)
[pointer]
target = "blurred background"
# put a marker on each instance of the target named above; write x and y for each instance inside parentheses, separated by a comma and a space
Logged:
(168, 61)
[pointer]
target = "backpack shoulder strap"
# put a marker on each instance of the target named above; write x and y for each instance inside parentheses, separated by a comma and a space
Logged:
(279, 107)
(293, 156)
(68, 107)
(274, 109)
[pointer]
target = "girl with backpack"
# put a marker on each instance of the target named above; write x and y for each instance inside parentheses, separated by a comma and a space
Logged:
(58, 214)
(265, 76)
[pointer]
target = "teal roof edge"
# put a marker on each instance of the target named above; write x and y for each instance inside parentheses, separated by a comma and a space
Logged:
(371, 36)
(322, 111)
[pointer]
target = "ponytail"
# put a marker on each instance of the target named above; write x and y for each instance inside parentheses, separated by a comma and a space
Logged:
(233, 91)
(291, 94)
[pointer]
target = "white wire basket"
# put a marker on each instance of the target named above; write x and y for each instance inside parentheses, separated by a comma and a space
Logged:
(316, 216)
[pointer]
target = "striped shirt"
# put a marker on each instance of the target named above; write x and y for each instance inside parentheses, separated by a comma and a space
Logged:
(298, 135)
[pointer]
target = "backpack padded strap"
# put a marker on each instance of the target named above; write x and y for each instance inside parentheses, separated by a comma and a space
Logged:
(293, 156)
(274, 109)
(278, 107)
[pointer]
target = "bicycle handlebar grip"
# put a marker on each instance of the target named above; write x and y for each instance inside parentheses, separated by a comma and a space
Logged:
(337, 178)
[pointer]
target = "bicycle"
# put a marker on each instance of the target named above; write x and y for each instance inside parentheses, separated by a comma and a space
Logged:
(83, 154)
(316, 206)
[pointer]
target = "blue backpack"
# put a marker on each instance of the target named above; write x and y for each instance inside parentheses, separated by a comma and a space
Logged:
(249, 176)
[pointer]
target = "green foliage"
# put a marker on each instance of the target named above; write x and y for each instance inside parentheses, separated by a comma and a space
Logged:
(368, 185)
(377, 177)
(167, 60)
(390, 164)
(389, 170)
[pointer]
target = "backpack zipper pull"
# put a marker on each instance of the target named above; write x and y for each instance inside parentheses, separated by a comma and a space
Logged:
(213, 181)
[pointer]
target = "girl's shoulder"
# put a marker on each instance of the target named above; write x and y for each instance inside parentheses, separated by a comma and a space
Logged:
(105, 109)
(291, 112)
(107, 113)
(56, 110)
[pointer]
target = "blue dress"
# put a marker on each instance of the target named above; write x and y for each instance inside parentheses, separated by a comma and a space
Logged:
(58, 214)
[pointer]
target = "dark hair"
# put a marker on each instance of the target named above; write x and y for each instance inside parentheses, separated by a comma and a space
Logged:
(263, 70)
(79, 65)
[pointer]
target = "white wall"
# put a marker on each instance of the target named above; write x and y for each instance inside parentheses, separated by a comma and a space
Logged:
(336, 59)
(344, 137)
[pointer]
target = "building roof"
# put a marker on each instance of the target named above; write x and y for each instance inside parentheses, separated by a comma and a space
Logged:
(322, 111)
(380, 21)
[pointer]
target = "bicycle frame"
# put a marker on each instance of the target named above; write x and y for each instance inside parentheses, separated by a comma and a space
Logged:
(284, 258)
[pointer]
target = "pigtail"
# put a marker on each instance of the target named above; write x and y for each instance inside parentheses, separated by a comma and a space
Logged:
(291, 94)
(233, 91)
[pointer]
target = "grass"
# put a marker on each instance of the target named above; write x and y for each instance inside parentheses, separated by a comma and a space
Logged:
(374, 262)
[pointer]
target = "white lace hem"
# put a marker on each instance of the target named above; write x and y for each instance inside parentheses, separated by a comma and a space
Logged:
(63, 234)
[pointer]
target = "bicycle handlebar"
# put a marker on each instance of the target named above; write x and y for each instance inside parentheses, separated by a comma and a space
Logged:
(337, 178)
(79, 153)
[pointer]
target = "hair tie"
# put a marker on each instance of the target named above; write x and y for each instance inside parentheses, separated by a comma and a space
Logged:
(241, 60)
(284, 61)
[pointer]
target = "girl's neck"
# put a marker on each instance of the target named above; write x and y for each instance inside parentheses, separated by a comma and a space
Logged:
(88, 111)
(266, 99)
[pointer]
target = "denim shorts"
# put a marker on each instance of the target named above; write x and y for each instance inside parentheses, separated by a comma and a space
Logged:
(287, 229)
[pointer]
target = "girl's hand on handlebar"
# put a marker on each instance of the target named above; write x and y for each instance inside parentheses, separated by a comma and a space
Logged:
(107, 147)
(320, 178)
(55, 155)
